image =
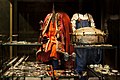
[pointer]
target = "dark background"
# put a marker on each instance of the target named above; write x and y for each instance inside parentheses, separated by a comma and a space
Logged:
(28, 13)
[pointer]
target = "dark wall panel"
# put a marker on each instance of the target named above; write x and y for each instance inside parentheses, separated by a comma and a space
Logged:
(4, 16)
(4, 24)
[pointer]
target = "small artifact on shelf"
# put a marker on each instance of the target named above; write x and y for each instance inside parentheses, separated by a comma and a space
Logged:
(34, 69)
(104, 69)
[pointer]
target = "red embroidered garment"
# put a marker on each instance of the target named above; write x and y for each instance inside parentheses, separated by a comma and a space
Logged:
(56, 28)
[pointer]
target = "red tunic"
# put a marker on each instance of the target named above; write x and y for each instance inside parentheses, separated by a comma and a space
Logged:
(57, 31)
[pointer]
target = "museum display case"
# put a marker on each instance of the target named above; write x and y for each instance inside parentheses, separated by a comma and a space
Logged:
(21, 37)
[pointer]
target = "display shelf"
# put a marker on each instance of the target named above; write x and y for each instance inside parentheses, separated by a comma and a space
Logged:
(103, 47)
(17, 43)
(20, 68)
(103, 76)
(12, 66)
(22, 43)
(7, 65)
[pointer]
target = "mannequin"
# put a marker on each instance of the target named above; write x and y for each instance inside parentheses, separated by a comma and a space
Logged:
(84, 25)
